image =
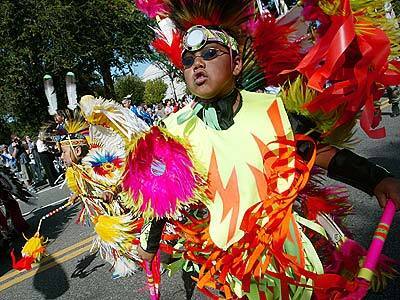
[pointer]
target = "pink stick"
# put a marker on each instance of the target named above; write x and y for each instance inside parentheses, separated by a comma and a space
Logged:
(366, 273)
(153, 288)
(380, 236)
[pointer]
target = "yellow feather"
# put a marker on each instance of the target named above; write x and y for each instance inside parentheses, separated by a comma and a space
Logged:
(94, 117)
(75, 123)
(34, 247)
(330, 7)
(295, 95)
(70, 176)
(373, 15)
(113, 229)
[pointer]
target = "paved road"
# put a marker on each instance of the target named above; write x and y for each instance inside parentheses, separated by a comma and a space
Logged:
(56, 276)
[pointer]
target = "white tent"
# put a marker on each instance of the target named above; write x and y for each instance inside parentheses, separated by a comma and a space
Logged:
(154, 72)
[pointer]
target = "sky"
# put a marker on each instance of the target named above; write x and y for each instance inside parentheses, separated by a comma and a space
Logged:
(140, 68)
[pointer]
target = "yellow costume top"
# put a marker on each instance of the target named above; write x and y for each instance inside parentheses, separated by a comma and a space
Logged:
(234, 161)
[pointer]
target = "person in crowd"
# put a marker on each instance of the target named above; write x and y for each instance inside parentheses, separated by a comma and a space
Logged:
(137, 110)
(19, 151)
(7, 159)
(34, 162)
(46, 158)
(12, 222)
(59, 119)
(168, 108)
(127, 103)
(393, 94)
(143, 114)
(160, 112)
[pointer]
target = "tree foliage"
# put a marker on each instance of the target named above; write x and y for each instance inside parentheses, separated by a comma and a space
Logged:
(89, 38)
(154, 91)
(396, 8)
(130, 85)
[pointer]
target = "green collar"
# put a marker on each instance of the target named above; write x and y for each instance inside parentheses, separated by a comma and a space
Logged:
(217, 114)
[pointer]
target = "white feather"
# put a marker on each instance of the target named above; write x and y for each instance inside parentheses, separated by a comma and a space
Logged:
(70, 84)
(50, 94)
(106, 138)
(125, 121)
(332, 229)
(124, 267)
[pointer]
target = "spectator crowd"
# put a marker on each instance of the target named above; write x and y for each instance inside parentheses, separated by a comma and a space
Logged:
(37, 162)
(152, 114)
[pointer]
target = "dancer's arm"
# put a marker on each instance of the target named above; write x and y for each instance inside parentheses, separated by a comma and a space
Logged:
(346, 166)
(150, 237)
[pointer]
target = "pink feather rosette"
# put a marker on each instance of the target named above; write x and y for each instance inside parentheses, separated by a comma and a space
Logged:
(161, 175)
(152, 8)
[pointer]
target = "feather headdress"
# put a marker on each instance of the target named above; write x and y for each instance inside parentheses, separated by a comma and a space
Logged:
(152, 8)
(229, 16)
(77, 129)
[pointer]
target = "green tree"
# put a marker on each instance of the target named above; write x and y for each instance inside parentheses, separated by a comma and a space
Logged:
(89, 38)
(130, 85)
(154, 91)
(396, 8)
(112, 34)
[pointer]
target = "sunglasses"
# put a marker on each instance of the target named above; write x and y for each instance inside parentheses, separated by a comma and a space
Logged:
(207, 54)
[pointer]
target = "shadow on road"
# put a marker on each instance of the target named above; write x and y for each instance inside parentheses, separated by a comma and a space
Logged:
(81, 268)
(55, 225)
(51, 229)
(51, 283)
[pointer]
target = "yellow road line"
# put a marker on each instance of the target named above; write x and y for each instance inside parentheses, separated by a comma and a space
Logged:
(45, 267)
(47, 258)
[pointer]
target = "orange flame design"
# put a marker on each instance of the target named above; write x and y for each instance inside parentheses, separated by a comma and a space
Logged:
(229, 194)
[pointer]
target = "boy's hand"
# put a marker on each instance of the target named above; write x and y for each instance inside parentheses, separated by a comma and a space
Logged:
(73, 199)
(388, 188)
(144, 254)
(107, 196)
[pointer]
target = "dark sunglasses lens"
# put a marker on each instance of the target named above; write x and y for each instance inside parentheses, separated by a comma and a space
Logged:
(187, 61)
(209, 54)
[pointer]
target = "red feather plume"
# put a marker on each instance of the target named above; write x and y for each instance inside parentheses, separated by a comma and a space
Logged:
(173, 51)
(273, 50)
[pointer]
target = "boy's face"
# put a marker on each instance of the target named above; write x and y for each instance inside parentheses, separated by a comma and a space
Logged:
(212, 78)
(70, 156)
